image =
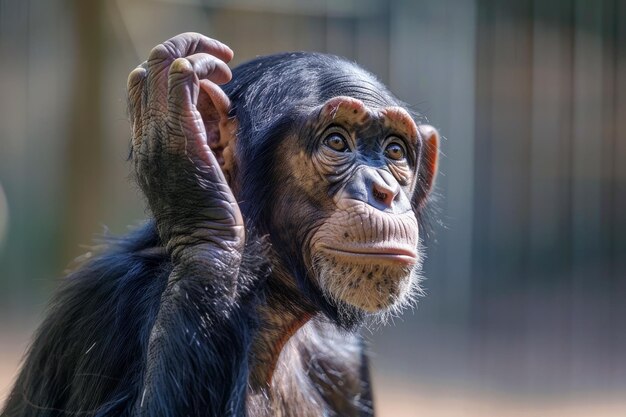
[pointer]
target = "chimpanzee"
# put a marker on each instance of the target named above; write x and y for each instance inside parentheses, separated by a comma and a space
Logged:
(285, 209)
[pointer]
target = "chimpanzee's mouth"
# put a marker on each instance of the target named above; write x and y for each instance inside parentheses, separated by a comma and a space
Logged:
(379, 254)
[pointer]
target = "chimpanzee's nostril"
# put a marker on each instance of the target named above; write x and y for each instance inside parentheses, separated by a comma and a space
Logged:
(384, 194)
(379, 195)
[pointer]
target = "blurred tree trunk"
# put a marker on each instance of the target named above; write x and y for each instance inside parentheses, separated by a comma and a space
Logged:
(85, 156)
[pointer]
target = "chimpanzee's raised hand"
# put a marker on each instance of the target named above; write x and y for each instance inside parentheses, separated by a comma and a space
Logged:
(196, 213)
(178, 115)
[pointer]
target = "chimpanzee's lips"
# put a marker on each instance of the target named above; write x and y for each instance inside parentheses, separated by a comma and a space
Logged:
(376, 253)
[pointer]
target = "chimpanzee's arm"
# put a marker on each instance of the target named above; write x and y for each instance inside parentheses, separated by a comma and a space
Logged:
(195, 362)
(196, 359)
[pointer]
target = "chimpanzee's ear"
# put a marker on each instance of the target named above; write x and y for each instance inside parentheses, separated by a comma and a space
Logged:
(428, 163)
(214, 107)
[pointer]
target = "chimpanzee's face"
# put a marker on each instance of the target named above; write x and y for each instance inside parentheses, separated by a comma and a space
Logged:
(355, 175)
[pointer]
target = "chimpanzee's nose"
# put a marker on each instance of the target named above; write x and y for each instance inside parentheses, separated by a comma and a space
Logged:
(376, 187)
(383, 190)
(384, 193)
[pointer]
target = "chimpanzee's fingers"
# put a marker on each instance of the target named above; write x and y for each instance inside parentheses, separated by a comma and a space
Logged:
(184, 120)
(208, 67)
(192, 43)
(163, 55)
(188, 44)
(136, 83)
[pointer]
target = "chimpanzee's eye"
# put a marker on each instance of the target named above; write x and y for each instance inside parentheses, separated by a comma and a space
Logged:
(395, 151)
(337, 142)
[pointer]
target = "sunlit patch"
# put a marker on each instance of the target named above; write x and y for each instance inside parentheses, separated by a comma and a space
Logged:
(347, 109)
(400, 120)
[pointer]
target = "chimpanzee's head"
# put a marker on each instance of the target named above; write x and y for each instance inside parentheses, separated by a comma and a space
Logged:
(335, 170)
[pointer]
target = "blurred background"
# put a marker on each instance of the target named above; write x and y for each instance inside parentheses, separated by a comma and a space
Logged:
(526, 311)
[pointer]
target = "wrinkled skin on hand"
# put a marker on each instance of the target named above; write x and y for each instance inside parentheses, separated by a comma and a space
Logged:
(197, 216)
